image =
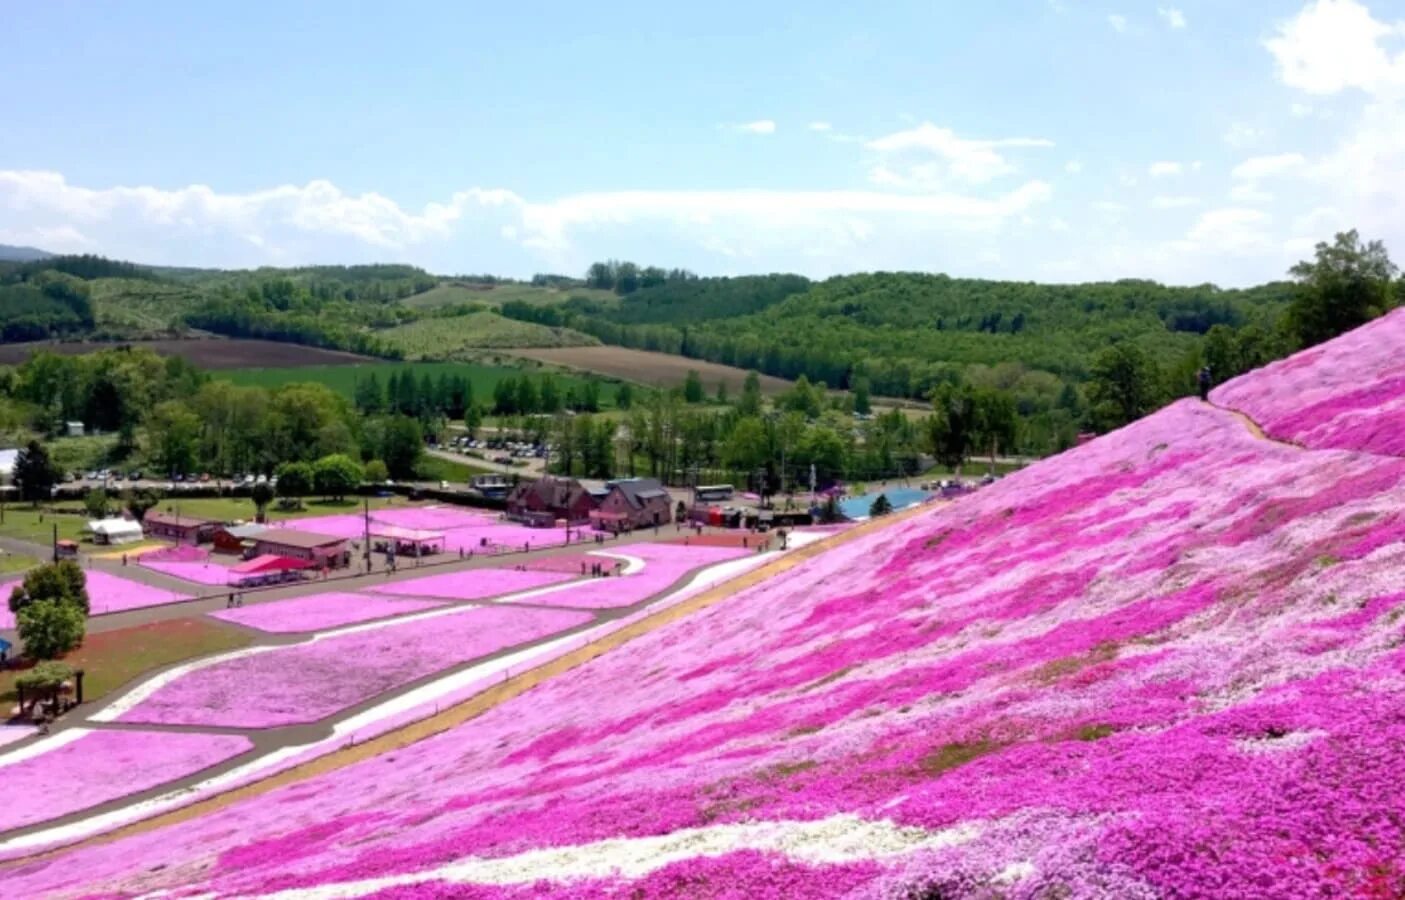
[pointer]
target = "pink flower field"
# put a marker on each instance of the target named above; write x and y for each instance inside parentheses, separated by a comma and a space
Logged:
(1167, 663)
(321, 611)
(206, 573)
(106, 594)
(462, 529)
(475, 584)
(310, 681)
(104, 765)
(1341, 394)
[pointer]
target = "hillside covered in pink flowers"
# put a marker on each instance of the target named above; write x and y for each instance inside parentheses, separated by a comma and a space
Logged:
(1167, 663)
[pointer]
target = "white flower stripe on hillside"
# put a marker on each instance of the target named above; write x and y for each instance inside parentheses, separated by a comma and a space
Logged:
(837, 839)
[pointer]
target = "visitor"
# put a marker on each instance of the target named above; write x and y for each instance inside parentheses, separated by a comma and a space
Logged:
(229, 604)
(124, 559)
(1204, 379)
(582, 567)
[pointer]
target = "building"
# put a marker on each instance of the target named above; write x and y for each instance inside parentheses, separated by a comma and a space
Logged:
(491, 485)
(181, 529)
(8, 458)
(542, 502)
(73, 429)
(114, 531)
(320, 549)
(236, 538)
(632, 503)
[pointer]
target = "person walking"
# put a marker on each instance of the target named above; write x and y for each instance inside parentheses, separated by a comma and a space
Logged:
(1204, 380)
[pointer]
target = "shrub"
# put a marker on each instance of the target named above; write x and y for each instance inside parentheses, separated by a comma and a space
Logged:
(50, 628)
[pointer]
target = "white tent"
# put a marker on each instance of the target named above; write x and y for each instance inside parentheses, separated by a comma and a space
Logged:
(8, 458)
(115, 531)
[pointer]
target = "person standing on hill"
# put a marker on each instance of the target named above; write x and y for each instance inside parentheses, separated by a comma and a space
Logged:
(1204, 380)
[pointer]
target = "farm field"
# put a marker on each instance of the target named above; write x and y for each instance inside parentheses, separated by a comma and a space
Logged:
(655, 369)
(207, 353)
(1163, 663)
(460, 336)
(342, 378)
(458, 292)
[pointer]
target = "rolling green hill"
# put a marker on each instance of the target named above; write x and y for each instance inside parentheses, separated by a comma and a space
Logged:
(453, 337)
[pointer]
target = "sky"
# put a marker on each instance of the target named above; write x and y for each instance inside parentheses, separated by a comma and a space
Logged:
(1187, 141)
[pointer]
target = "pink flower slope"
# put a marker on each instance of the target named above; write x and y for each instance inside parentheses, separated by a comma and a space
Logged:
(321, 611)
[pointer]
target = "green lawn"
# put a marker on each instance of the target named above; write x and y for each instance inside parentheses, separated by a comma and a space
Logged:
(26, 523)
(111, 659)
(10, 563)
(342, 379)
(435, 468)
(453, 337)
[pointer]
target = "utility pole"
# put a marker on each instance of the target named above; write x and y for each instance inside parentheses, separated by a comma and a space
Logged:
(56, 542)
(366, 507)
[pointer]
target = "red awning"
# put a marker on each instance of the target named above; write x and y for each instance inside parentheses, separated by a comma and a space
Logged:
(270, 563)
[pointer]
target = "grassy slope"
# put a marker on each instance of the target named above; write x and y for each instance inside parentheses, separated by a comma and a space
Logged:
(451, 292)
(141, 307)
(343, 378)
(448, 338)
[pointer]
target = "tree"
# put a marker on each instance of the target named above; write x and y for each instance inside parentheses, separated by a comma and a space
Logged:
(60, 582)
(44, 681)
(139, 502)
(262, 494)
(173, 437)
(294, 480)
(952, 425)
(550, 398)
(397, 441)
(750, 402)
(881, 506)
(336, 475)
(722, 393)
(1346, 285)
(1221, 354)
(624, 395)
(862, 403)
(693, 387)
(50, 629)
(376, 472)
(1125, 386)
(472, 419)
(95, 503)
(995, 421)
(35, 472)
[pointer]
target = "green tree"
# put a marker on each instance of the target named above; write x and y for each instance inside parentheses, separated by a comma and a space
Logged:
(397, 441)
(881, 506)
(527, 400)
(952, 426)
(35, 472)
(750, 402)
(862, 402)
(95, 503)
(722, 393)
(139, 502)
(336, 475)
(995, 421)
(262, 494)
(1347, 284)
(60, 582)
(549, 400)
(746, 447)
(472, 419)
(1125, 386)
(49, 629)
(693, 391)
(624, 395)
(376, 472)
(295, 480)
(173, 437)
(1221, 354)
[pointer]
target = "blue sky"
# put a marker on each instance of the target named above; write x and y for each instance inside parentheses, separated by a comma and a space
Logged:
(1053, 140)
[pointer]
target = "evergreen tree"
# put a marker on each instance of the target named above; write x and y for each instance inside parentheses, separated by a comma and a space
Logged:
(35, 472)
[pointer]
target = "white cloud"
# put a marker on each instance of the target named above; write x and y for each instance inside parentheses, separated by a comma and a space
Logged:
(820, 126)
(1250, 192)
(1165, 169)
(1332, 45)
(1109, 206)
(1300, 110)
(1232, 229)
(318, 221)
(1242, 135)
(1168, 202)
(760, 126)
(1073, 167)
(1274, 166)
(1118, 23)
(928, 156)
(1174, 18)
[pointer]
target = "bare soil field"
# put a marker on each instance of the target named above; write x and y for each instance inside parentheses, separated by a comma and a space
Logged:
(647, 367)
(207, 353)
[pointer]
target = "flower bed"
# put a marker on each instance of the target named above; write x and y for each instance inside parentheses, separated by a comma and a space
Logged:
(1165, 663)
(206, 573)
(321, 611)
(89, 768)
(106, 594)
(1346, 394)
(311, 681)
(475, 584)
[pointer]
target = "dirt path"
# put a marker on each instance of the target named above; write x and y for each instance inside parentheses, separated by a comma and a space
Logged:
(478, 704)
